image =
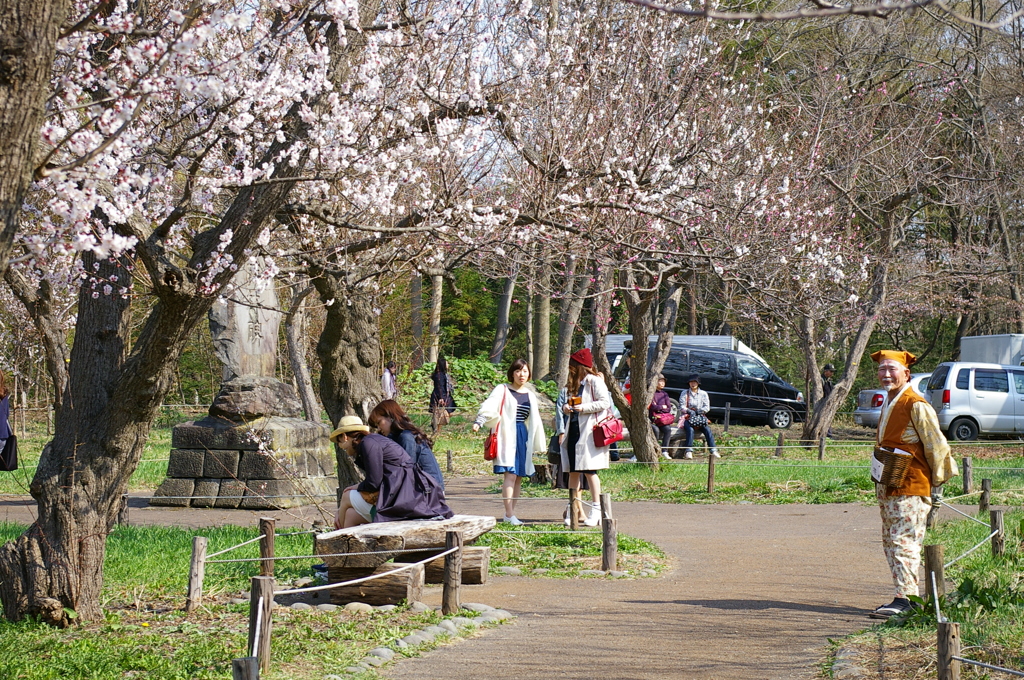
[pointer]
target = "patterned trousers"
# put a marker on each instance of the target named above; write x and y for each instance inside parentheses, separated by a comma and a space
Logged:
(903, 527)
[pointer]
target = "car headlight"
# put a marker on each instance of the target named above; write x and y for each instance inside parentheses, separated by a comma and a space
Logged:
(799, 396)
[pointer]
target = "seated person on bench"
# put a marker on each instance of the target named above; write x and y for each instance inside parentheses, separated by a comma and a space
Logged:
(394, 489)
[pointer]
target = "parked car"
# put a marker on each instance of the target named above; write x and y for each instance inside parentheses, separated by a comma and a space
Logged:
(869, 402)
(754, 392)
(974, 398)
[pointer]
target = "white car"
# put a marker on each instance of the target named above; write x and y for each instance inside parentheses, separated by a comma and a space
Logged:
(972, 398)
(869, 402)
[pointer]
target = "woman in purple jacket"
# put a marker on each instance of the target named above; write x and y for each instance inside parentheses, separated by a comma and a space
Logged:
(662, 418)
(394, 488)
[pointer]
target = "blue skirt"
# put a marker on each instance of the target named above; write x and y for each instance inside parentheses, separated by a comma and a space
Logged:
(520, 467)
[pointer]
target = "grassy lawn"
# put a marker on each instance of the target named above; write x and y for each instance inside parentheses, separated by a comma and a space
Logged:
(985, 596)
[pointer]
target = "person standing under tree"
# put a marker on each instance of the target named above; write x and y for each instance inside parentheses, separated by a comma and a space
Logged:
(907, 423)
(5, 411)
(588, 402)
(826, 387)
(389, 381)
(442, 398)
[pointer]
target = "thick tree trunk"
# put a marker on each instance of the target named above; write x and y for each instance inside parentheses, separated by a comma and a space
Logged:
(501, 326)
(573, 299)
(350, 356)
(436, 295)
(542, 323)
(28, 40)
(295, 337)
(531, 345)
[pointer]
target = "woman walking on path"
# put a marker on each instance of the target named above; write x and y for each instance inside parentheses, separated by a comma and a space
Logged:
(392, 422)
(695, 404)
(512, 410)
(5, 411)
(442, 398)
(588, 402)
(662, 418)
(394, 487)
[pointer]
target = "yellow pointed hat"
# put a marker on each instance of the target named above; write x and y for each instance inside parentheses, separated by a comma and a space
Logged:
(905, 358)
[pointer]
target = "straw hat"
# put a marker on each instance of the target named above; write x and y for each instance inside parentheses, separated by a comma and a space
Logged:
(349, 424)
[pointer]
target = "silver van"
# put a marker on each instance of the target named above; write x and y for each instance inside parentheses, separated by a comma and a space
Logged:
(973, 398)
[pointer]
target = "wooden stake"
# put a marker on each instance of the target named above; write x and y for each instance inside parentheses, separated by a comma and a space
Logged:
(451, 467)
(606, 506)
(778, 445)
(949, 646)
(450, 603)
(986, 496)
(933, 517)
(574, 504)
(821, 449)
(999, 540)
(711, 473)
(261, 601)
(247, 668)
(728, 408)
(267, 545)
(122, 512)
(609, 545)
(196, 568)
(933, 563)
(968, 474)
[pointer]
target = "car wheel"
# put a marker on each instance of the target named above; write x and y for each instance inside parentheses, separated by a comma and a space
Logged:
(780, 418)
(675, 408)
(963, 430)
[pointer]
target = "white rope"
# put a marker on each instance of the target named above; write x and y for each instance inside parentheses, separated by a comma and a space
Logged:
(256, 634)
(530, 533)
(313, 557)
(981, 543)
(221, 552)
(365, 578)
(1019, 674)
(961, 512)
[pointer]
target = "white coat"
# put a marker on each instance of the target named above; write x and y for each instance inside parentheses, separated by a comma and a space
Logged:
(595, 406)
(504, 417)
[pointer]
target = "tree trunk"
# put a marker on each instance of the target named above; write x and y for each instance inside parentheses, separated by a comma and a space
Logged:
(295, 337)
(350, 356)
(542, 323)
(416, 318)
(531, 345)
(501, 327)
(39, 305)
(573, 299)
(436, 294)
(27, 45)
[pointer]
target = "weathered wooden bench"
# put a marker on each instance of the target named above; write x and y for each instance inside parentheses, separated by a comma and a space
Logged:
(383, 541)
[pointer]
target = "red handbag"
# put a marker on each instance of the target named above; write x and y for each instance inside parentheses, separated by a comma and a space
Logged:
(607, 431)
(664, 418)
(491, 443)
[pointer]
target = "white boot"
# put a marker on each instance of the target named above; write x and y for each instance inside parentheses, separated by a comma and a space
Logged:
(594, 518)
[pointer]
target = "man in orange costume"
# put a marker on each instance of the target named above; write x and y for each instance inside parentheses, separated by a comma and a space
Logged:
(908, 423)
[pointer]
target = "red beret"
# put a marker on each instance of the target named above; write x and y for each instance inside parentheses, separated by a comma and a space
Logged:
(584, 357)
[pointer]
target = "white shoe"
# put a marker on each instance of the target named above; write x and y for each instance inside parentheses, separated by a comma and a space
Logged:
(688, 455)
(715, 454)
(514, 521)
(664, 454)
(568, 522)
(594, 519)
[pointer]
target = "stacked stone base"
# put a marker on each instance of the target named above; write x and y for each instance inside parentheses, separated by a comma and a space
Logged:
(264, 464)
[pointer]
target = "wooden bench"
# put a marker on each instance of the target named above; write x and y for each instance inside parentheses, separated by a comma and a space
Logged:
(381, 542)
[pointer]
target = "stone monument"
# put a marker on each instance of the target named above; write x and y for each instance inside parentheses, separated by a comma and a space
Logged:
(253, 450)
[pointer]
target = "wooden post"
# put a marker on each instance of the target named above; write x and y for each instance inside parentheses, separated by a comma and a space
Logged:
(933, 517)
(933, 563)
(261, 601)
(728, 408)
(247, 668)
(122, 512)
(196, 568)
(574, 502)
(949, 646)
(267, 545)
(606, 506)
(711, 473)
(778, 445)
(451, 467)
(999, 540)
(609, 545)
(450, 603)
(821, 449)
(968, 473)
(986, 496)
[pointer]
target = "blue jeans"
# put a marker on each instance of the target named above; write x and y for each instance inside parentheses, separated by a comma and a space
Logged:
(688, 429)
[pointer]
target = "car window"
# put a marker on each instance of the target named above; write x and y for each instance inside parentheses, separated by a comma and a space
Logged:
(676, 361)
(749, 368)
(1018, 381)
(990, 380)
(963, 379)
(709, 363)
(938, 379)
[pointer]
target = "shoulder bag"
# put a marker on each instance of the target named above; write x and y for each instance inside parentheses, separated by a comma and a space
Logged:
(9, 456)
(491, 443)
(608, 430)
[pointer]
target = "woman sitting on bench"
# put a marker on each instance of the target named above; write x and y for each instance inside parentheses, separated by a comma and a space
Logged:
(394, 487)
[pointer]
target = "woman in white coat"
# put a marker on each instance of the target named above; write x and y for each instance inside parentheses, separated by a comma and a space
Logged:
(512, 409)
(588, 403)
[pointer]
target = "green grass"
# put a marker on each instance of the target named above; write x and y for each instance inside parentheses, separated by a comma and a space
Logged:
(146, 635)
(565, 555)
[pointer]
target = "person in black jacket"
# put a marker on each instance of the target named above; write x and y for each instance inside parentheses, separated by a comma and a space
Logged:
(390, 420)
(442, 398)
(394, 488)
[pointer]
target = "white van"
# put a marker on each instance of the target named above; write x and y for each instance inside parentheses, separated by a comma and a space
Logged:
(973, 398)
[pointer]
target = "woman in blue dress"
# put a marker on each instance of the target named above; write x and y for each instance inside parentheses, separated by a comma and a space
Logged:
(511, 411)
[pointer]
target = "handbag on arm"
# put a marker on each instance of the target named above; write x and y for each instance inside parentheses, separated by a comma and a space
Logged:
(491, 443)
(608, 430)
